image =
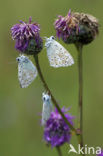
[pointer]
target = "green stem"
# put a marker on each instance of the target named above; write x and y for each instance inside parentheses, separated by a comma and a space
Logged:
(49, 92)
(59, 151)
(53, 100)
(80, 102)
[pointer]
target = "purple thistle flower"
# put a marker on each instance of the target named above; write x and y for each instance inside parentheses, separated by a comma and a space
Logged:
(56, 131)
(65, 26)
(27, 37)
(76, 27)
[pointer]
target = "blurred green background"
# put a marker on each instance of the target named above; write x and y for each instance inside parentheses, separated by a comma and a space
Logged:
(20, 130)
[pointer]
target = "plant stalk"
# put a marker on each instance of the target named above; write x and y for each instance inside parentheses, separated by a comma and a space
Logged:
(49, 92)
(80, 102)
(59, 151)
(79, 137)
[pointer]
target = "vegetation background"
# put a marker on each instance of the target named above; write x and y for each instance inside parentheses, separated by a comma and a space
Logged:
(20, 130)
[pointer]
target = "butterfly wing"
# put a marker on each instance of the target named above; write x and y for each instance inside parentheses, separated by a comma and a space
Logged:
(26, 73)
(47, 109)
(58, 56)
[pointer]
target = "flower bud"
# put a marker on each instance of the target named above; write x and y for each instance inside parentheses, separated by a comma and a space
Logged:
(76, 27)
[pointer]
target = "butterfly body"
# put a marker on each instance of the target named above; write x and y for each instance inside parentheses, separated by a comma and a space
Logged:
(47, 108)
(26, 71)
(58, 56)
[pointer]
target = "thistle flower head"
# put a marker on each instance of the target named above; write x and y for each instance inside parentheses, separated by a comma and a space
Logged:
(27, 37)
(56, 131)
(76, 27)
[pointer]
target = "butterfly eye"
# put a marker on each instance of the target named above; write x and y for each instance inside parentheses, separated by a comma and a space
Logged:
(44, 98)
(53, 37)
(17, 59)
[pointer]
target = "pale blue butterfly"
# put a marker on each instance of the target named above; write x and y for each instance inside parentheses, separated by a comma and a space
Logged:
(47, 107)
(58, 56)
(26, 71)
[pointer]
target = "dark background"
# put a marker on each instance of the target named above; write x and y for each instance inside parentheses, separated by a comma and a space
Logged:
(20, 130)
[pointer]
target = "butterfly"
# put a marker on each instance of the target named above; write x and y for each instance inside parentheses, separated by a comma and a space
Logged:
(58, 56)
(47, 108)
(26, 71)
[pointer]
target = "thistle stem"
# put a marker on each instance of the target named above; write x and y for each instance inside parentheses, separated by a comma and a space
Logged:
(59, 151)
(80, 102)
(54, 101)
(49, 92)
